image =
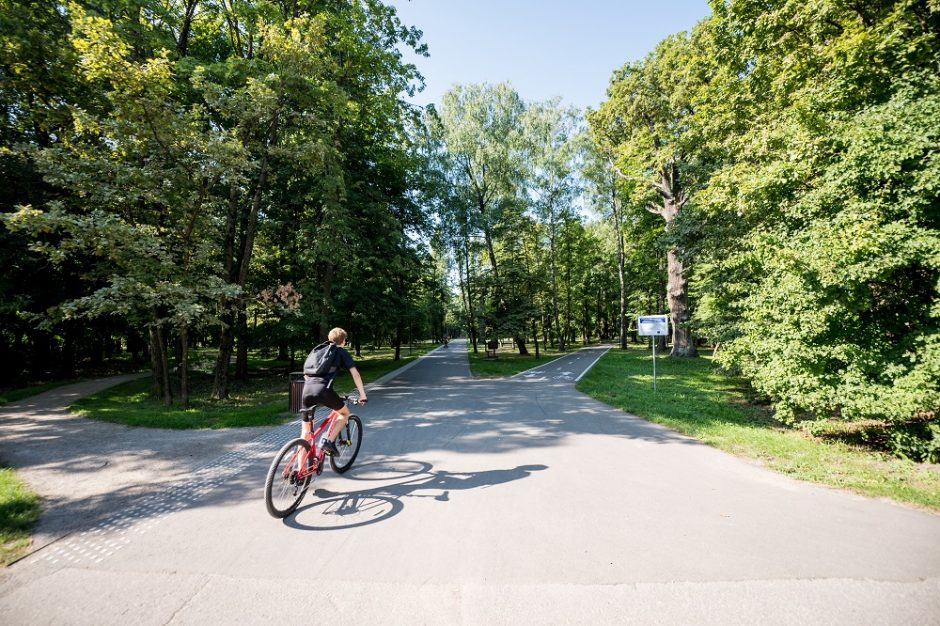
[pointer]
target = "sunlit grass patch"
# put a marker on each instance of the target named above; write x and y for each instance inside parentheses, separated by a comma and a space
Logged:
(262, 401)
(19, 511)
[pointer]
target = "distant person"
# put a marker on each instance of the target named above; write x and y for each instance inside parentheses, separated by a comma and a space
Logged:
(318, 385)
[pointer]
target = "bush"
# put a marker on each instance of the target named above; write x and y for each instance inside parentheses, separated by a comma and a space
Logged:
(916, 442)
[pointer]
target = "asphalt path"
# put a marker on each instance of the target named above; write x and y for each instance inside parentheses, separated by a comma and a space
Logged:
(478, 502)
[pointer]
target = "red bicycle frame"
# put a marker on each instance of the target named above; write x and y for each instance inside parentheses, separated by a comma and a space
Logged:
(316, 452)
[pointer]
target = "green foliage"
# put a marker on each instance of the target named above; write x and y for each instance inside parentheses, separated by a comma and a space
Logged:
(916, 442)
(261, 402)
(185, 165)
(825, 296)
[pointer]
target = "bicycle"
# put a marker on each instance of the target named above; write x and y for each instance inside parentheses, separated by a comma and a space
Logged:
(301, 460)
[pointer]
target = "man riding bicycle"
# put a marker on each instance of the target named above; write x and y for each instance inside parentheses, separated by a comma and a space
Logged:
(318, 384)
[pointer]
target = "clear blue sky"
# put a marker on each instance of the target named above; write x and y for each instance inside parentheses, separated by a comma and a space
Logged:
(544, 48)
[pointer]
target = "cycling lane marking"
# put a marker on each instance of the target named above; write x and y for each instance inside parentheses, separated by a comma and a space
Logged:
(560, 368)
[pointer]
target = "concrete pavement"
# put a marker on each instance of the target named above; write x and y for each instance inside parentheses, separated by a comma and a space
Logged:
(491, 501)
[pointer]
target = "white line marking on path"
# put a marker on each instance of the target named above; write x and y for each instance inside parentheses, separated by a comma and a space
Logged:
(591, 365)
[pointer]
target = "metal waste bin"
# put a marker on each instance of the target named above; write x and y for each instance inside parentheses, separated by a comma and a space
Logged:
(296, 383)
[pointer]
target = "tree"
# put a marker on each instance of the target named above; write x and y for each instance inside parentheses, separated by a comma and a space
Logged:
(553, 145)
(479, 125)
(822, 296)
(645, 120)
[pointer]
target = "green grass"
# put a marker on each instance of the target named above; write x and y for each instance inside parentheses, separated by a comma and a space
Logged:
(695, 398)
(263, 401)
(19, 510)
(12, 395)
(508, 361)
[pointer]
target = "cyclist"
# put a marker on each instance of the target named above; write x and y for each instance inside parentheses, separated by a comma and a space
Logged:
(319, 390)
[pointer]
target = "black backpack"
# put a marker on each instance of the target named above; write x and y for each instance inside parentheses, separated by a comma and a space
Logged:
(322, 360)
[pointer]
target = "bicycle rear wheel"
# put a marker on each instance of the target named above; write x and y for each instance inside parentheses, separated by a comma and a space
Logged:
(283, 490)
(348, 442)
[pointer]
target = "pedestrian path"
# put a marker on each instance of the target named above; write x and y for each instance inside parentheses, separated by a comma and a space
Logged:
(493, 501)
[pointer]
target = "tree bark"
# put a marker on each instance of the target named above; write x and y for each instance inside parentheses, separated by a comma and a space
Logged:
(182, 43)
(556, 323)
(328, 270)
(159, 362)
(674, 198)
(618, 227)
(184, 366)
(677, 293)
(241, 354)
(226, 343)
(240, 270)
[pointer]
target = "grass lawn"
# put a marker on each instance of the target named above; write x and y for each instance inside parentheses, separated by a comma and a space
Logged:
(263, 401)
(695, 398)
(19, 510)
(508, 361)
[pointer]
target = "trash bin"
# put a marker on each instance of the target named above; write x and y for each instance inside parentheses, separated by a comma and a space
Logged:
(296, 383)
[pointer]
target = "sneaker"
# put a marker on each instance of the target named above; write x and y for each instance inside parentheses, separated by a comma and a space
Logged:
(330, 448)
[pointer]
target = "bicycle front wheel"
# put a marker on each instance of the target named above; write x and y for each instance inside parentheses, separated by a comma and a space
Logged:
(283, 489)
(348, 442)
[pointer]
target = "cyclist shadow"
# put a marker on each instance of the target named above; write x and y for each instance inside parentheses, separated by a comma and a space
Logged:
(335, 511)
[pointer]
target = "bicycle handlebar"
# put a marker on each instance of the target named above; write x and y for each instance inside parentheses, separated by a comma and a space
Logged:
(353, 398)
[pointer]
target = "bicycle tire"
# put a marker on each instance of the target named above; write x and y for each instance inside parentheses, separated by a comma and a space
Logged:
(282, 492)
(348, 443)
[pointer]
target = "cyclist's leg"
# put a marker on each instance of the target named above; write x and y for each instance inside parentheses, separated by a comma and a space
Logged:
(341, 419)
(313, 388)
(330, 398)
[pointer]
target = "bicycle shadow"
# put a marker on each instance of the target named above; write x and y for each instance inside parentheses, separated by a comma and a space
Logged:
(362, 507)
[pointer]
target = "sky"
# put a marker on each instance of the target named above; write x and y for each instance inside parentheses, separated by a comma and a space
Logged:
(544, 48)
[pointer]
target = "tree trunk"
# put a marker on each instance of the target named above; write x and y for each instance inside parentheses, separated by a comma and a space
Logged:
(184, 366)
(325, 300)
(226, 342)
(468, 296)
(182, 44)
(677, 292)
(226, 339)
(160, 362)
(156, 375)
(220, 383)
(241, 355)
(497, 288)
(520, 343)
(555, 319)
(622, 319)
(535, 338)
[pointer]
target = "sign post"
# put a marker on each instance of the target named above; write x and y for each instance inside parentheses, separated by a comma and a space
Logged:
(653, 326)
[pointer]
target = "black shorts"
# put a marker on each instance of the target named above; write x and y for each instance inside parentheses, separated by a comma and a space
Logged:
(316, 391)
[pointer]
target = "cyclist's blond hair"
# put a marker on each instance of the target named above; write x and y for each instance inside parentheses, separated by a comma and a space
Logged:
(337, 335)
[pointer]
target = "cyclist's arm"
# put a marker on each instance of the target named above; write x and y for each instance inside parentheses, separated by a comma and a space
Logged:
(358, 380)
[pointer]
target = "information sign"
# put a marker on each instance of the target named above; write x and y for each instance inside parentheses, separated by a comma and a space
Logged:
(654, 325)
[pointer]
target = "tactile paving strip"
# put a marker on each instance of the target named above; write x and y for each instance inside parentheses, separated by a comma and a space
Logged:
(111, 534)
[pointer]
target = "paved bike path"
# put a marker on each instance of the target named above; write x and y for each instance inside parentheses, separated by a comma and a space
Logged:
(494, 501)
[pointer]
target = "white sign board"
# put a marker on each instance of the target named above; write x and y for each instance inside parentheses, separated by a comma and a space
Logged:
(652, 325)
